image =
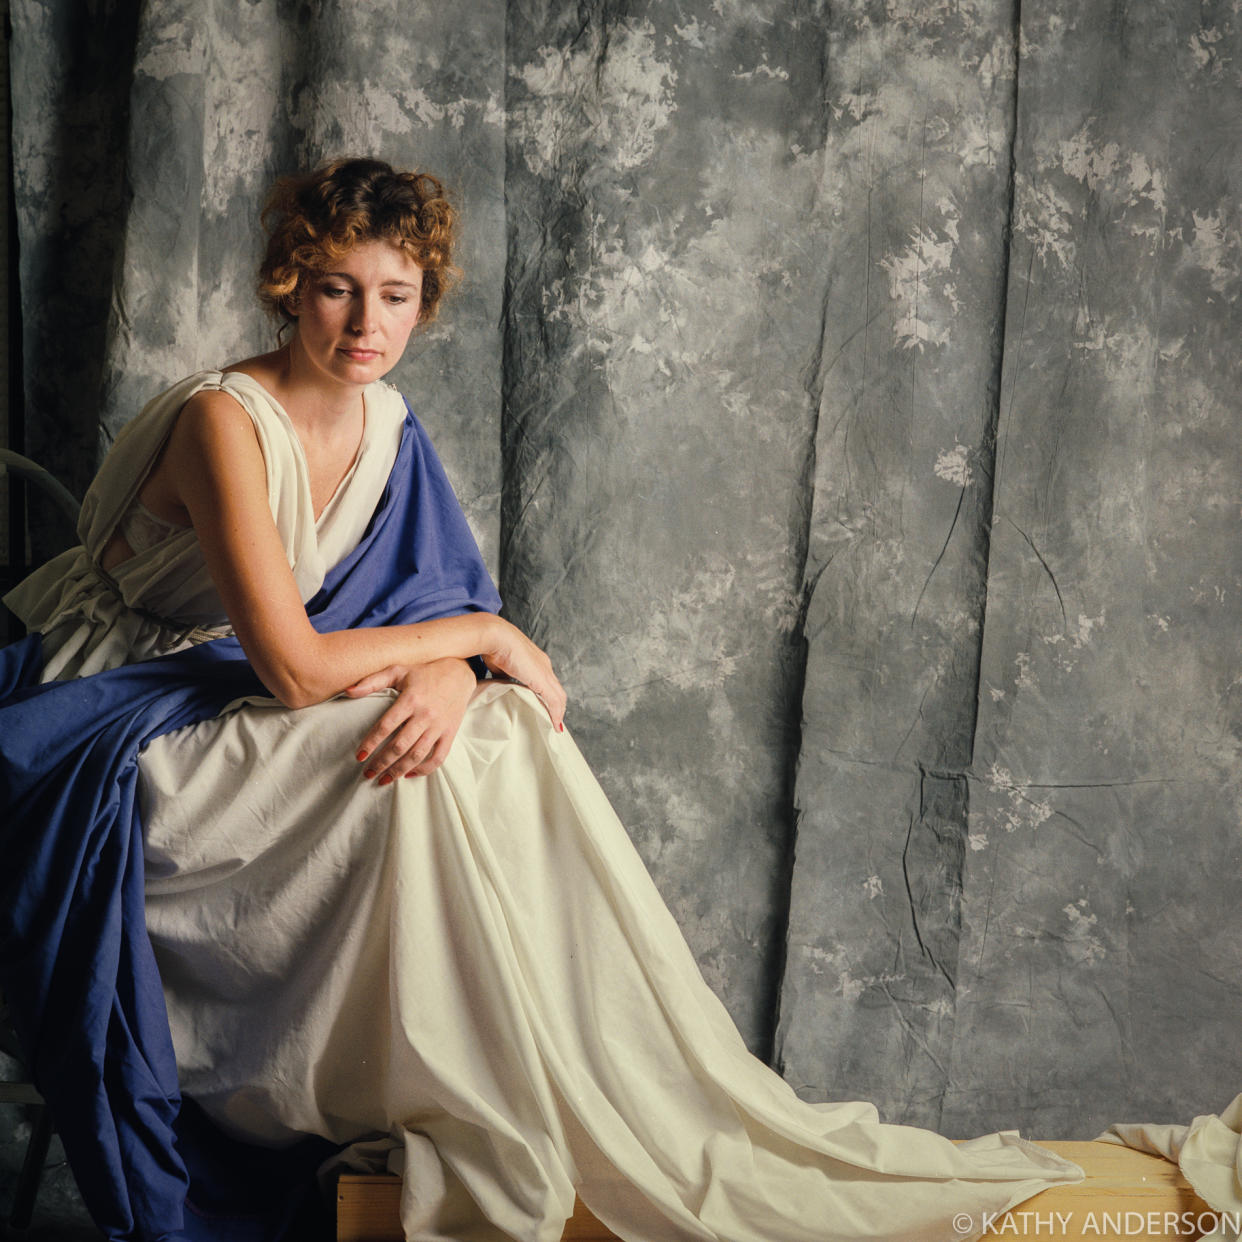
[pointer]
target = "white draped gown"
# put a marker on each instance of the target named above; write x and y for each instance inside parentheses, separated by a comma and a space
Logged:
(472, 966)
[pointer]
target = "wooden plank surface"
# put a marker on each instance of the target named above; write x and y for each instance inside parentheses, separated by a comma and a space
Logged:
(368, 1209)
(1127, 1194)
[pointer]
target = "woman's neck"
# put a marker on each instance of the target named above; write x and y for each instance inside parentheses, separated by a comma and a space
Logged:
(318, 405)
(329, 418)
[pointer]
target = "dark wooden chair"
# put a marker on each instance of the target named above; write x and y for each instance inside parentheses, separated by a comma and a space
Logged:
(38, 500)
(20, 1090)
(57, 503)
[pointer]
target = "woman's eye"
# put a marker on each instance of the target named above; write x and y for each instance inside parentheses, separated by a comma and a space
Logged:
(334, 291)
(397, 299)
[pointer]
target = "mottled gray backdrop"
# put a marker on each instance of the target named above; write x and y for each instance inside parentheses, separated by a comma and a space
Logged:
(845, 395)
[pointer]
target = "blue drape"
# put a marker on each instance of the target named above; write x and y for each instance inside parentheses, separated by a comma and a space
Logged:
(75, 961)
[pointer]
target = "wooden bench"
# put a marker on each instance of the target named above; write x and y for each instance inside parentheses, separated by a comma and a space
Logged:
(1127, 1194)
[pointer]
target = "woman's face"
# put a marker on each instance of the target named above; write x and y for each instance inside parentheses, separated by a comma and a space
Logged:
(354, 321)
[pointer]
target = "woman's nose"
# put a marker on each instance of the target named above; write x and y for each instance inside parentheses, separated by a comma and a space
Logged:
(363, 319)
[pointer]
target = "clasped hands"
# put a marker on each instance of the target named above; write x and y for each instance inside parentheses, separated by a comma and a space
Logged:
(414, 734)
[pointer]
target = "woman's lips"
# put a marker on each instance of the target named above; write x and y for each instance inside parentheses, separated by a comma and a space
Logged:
(361, 355)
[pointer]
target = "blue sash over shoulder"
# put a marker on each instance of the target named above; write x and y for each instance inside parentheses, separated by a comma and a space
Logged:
(75, 962)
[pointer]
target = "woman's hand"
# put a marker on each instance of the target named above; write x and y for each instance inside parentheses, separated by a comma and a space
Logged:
(413, 736)
(513, 655)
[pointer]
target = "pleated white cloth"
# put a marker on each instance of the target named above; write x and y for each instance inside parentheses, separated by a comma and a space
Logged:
(474, 964)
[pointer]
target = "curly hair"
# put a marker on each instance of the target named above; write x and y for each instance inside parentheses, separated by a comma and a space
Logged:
(314, 218)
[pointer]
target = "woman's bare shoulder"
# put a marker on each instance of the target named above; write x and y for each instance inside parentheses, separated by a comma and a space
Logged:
(213, 422)
(212, 431)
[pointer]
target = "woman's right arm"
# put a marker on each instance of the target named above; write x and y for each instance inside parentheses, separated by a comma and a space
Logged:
(213, 468)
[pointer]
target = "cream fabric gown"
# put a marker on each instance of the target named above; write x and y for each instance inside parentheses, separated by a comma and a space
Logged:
(475, 965)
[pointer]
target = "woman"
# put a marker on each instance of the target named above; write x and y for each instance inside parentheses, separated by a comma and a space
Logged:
(387, 897)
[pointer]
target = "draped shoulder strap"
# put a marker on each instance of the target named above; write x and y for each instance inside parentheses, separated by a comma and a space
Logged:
(129, 461)
(137, 448)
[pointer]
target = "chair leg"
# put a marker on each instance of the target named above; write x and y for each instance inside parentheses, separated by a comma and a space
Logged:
(32, 1168)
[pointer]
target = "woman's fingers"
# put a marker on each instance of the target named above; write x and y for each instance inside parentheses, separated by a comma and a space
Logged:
(413, 735)
(404, 751)
(368, 685)
(553, 698)
(439, 753)
(552, 694)
(385, 727)
(385, 679)
(422, 758)
(523, 661)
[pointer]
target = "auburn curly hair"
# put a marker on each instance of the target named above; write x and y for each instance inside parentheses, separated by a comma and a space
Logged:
(314, 218)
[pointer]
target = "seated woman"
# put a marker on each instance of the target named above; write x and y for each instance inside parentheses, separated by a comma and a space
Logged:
(386, 895)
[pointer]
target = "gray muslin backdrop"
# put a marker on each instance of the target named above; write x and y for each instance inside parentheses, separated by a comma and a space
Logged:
(845, 395)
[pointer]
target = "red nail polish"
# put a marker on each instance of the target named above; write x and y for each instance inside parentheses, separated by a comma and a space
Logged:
(386, 779)
(361, 755)
(369, 773)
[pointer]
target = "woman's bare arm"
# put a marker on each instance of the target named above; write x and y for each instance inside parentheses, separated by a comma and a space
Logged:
(214, 469)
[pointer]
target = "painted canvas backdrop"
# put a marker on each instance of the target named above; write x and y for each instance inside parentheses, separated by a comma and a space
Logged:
(845, 395)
